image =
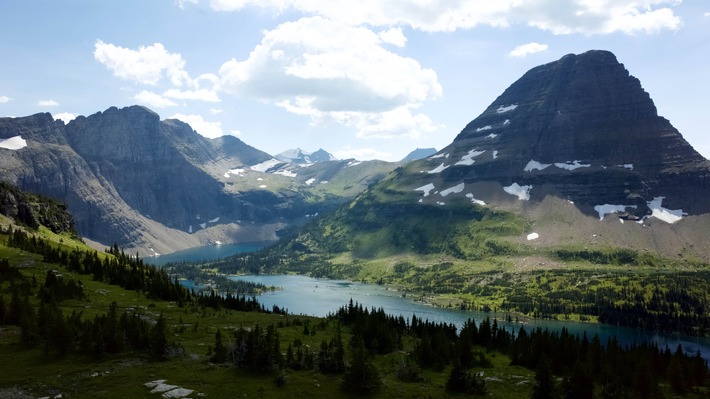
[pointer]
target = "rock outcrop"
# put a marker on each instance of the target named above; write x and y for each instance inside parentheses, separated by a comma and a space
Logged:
(584, 129)
(158, 186)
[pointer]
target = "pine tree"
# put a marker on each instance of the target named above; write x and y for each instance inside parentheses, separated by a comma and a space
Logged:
(544, 384)
(361, 377)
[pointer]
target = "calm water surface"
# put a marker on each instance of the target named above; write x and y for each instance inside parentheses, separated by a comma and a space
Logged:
(319, 297)
(210, 252)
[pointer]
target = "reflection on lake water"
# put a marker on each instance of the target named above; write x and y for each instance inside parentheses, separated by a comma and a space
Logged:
(207, 253)
(319, 297)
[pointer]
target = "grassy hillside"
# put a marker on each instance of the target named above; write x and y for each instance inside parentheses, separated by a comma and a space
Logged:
(470, 256)
(103, 325)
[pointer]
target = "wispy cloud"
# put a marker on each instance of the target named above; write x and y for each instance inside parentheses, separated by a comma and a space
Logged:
(48, 103)
(526, 49)
(5, 99)
(200, 125)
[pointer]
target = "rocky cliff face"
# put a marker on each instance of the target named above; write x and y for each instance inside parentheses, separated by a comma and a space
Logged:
(584, 129)
(151, 185)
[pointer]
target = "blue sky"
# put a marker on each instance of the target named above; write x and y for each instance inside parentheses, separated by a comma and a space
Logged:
(362, 79)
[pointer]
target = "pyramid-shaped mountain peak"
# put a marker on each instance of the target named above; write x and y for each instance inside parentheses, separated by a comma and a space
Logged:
(580, 128)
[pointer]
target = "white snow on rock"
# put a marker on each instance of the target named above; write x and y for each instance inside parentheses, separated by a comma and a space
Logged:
(426, 189)
(203, 225)
(533, 236)
(215, 220)
(441, 203)
(354, 163)
(608, 208)
(664, 214)
(13, 143)
(189, 230)
(571, 165)
(522, 192)
(259, 179)
(178, 393)
(237, 172)
(495, 154)
(487, 127)
(507, 121)
(153, 384)
(324, 182)
(492, 136)
(628, 166)
(506, 108)
(474, 200)
(286, 173)
(468, 158)
(535, 165)
(262, 186)
(438, 169)
(162, 387)
(442, 155)
(310, 181)
(453, 190)
(266, 165)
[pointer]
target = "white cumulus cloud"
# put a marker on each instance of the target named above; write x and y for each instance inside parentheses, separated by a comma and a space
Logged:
(47, 103)
(526, 49)
(393, 36)
(66, 117)
(5, 99)
(333, 72)
(153, 100)
(199, 94)
(147, 65)
(200, 125)
(571, 16)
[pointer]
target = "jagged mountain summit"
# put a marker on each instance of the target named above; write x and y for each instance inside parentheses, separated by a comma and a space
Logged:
(299, 157)
(585, 130)
(574, 147)
(158, 186)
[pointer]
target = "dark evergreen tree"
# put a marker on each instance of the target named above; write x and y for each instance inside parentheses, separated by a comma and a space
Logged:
(361, 376)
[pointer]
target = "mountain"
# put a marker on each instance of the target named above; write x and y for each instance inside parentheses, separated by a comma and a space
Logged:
(157, 186)
(299, 157)
(419, 153)
(572, 153)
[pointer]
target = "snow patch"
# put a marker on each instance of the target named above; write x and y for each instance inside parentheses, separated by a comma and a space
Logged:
(426, 189)
(354, 163)
(468, 158)
(441, 203)
(203, 225)
(266, 165)
(189, 230)
(533, 236)
(262, 186)
(474, 200)
(13, 143)
(215, 220)
(522, 192)
(492, 136)
(310, 181)
(237, 172)
(487, 127)
(453, 190)
(506, 108)
(535, 165)
(628, 166)
(572, 166)
(324, 182)
(507, 121)
(438, 169)
(442, 155)
(286, 173)
(608, 208)
(495, 154)
(664, 214)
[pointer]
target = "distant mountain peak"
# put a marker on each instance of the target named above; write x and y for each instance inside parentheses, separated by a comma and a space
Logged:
(419, 153)
(299, 157)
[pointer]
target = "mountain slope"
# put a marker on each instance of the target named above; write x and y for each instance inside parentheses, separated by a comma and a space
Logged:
(158, 185)
(573, 153)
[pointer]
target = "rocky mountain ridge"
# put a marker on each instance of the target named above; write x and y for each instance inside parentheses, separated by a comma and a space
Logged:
(574, 147)
(158, 186)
